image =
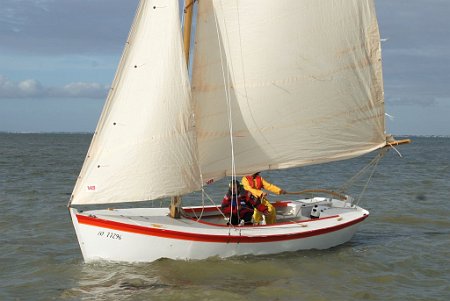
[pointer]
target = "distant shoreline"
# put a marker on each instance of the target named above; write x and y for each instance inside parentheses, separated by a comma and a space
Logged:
(91, 133)
(48, 133)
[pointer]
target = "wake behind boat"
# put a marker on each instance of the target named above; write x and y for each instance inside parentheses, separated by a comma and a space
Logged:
(274, 85)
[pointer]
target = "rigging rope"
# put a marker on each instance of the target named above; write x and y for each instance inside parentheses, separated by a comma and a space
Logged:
(375, 162)
(226, 78)
(372, 164)
(198, 218)
(230, 126)
(395, 149)
(370, 177)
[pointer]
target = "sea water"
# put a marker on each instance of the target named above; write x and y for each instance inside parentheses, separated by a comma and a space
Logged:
(401, 252)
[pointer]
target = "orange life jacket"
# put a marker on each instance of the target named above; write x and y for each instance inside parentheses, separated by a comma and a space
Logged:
(251, 182)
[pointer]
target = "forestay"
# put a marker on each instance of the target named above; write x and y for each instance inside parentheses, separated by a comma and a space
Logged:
(303, 77)
(144, 146)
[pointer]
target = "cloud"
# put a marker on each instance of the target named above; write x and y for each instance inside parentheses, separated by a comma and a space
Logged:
(31, 88)
(23, 89)
(426, 101)
(80, 89)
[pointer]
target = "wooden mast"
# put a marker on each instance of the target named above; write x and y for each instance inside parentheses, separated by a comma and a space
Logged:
(188, 11)
(175, 203)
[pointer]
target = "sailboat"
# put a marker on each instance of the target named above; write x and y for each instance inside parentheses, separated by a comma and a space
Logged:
(272, 85)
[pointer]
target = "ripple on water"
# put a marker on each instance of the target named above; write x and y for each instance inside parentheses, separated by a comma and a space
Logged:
(400, 252)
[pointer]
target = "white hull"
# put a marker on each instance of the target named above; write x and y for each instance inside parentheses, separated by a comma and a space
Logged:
(147, 234)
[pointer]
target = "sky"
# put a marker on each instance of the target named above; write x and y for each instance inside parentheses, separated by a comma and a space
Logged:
(58, 58)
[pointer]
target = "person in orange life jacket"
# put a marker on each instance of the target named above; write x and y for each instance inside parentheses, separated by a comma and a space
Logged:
(238, 203)
(254, 184)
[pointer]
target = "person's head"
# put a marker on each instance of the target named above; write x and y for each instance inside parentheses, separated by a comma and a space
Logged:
(256, 174)
(234, 187)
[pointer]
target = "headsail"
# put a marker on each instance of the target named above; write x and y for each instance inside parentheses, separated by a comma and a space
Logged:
(304, 79)
(144, 146)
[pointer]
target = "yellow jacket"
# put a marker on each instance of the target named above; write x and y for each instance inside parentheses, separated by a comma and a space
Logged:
(257, 192)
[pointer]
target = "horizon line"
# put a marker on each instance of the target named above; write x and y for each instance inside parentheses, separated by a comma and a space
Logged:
(91, 133)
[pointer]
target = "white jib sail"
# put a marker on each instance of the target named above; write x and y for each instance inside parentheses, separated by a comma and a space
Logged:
(144, 146)
(304, 79)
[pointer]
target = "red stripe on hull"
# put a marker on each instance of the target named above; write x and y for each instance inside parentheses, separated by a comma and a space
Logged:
(93, 221)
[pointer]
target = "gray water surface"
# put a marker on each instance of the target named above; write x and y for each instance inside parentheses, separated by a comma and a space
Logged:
(401, 252)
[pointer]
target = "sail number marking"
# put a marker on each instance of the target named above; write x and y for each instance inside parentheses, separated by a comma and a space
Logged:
(110, 235)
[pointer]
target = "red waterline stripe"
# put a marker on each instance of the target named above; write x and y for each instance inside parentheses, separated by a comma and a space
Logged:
(93, 221)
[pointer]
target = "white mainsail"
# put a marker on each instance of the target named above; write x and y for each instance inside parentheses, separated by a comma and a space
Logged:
(303, 77)
(144, 146)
